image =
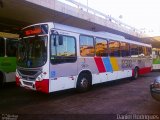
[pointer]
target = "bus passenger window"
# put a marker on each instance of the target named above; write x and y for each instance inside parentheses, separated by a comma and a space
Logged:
(86, 46)
(140, 51)
(145, 51)
(125, 51)
(149, 51)
(2, 48)
(134, 50)
(114, 47)
(11, 47)
(101, 47)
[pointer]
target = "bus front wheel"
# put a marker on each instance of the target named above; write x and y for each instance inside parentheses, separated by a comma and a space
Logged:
(83, 83)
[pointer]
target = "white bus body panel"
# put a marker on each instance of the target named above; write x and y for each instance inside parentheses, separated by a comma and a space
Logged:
(156, 66)
(10, 77)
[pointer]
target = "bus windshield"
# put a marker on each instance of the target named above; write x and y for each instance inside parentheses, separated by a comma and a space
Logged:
(32, 51)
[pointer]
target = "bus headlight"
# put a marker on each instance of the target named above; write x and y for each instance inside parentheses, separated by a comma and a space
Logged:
(39, 78)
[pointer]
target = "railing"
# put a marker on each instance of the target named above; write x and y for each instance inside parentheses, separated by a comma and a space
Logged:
(104, 16)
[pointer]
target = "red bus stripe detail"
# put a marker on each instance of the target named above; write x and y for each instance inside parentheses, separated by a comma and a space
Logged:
(100, 65)
(17, 81)
(42, 86)
(144, 70)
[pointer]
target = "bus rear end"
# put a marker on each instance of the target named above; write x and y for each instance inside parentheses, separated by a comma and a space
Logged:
(8, 51)
(156, 58)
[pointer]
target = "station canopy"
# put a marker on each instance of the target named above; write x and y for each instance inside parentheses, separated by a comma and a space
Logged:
(16, 14)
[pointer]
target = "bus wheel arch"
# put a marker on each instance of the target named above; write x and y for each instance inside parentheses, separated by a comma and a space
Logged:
(135, 73)
(84, 81)
(2, 79)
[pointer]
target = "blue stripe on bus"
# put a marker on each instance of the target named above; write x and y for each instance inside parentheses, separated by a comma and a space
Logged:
(107, 64)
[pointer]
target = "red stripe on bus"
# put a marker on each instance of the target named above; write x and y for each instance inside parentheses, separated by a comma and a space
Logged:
(100, 65)
(144, 70)
(17, 81)
(42, 86)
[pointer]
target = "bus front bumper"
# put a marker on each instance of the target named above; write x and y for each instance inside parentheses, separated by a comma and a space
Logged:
(42, 86)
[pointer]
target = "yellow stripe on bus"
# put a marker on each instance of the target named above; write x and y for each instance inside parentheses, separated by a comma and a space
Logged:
(8, 35)
(114, 63)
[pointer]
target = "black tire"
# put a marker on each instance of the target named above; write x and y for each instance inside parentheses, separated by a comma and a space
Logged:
(83, 83)
(135, 75)
(1, 79)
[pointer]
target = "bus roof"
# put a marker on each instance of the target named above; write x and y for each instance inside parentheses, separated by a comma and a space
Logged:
(102, 34)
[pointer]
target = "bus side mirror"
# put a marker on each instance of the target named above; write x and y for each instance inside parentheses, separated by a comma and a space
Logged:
(60, 40)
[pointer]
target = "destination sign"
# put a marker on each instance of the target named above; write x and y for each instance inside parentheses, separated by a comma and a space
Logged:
(35, 30)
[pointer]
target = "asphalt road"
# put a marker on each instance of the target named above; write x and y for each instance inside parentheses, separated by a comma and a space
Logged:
(122, 97)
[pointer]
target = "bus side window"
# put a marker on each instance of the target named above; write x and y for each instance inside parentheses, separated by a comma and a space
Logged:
(114, 47)
(101, 47)
(86, 45)
(149, 51)
(11, 47)
(2, 48)
(146, 52)
(140, 51)
(125, 51)
(134, 50)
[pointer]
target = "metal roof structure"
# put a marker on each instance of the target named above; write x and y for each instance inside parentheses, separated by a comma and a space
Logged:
(16, 14)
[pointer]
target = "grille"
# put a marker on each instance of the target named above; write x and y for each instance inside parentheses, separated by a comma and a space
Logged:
(29, 75)
(28, 72)
(28, 78)
(27, 83)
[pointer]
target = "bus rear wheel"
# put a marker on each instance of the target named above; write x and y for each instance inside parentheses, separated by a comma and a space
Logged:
(1, 79)
(83, 83)
(135, 74)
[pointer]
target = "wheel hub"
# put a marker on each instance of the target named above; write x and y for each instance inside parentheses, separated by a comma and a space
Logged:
(84, 83)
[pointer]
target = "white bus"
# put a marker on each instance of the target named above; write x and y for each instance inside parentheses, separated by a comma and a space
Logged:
(53, 57)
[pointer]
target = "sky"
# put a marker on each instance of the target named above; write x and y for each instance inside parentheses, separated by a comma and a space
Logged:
(141, 14)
